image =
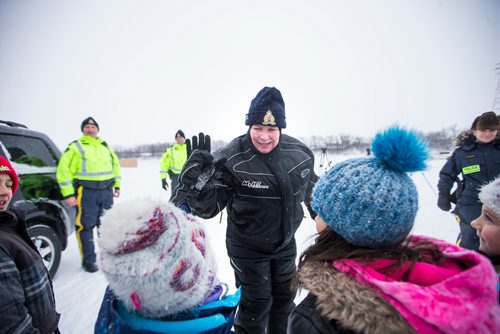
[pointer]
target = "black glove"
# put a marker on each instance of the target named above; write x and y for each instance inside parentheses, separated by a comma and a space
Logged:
(198, 161)
(444, 202)
(164, 184)
(202, 142)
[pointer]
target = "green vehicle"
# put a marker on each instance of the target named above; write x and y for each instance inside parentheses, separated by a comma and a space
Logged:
(50, 221)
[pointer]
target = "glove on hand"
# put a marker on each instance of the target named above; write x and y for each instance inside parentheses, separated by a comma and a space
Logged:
(198, 161)
(202, 142)
(164, 184)
(444, 202)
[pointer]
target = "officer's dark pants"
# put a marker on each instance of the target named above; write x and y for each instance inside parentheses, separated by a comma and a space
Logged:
(266, 294)
(91, 205)
(468, 235)
(175, 180)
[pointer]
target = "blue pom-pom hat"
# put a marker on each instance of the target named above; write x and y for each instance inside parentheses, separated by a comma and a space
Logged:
(372, 202)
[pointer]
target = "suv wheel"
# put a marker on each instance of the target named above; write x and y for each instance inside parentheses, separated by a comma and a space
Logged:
(48, 245)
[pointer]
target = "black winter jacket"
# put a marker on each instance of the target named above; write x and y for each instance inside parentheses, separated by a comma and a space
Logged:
(27, 303)
(477, 162)
(262, 193)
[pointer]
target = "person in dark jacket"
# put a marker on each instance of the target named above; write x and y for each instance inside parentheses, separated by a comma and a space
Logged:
(477, 159)
(366, 274)
(261, 178)
(27, 303)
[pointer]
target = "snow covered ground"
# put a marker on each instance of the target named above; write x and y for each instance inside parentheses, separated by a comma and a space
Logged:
(79, 294)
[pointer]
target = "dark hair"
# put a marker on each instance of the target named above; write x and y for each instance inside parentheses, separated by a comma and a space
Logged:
(487, 120)
(329, 246)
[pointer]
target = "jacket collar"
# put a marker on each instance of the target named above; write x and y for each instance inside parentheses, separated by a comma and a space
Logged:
(355, 306)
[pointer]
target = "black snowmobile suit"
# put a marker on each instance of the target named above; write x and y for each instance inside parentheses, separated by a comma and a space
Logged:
(262, 194)
(479, 164)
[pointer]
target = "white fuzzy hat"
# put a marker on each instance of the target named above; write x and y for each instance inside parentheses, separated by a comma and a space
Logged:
(155, 257)
(490, 196)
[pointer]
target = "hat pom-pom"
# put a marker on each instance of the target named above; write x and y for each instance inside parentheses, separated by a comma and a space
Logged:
(400, 149)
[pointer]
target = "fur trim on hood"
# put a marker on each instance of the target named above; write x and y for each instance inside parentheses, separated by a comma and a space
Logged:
(355, 306)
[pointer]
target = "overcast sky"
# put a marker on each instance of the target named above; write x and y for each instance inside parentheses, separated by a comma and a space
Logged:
(144, 69)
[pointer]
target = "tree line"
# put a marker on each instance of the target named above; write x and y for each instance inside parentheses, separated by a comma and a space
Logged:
(441, 140)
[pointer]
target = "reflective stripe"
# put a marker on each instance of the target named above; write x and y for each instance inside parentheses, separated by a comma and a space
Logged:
(78, 220)
(118, 177)
(65, 183)
(172, 154)
(82, 153)
(96, 174)
(173, 161)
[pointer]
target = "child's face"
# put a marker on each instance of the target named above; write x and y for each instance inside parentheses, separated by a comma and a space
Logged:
(488, 231)
(5, 191)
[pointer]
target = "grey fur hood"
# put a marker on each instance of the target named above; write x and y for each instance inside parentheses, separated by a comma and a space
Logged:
(355, 306)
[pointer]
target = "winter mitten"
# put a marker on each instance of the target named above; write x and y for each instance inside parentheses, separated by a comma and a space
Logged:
(444, 202)
(164, 184)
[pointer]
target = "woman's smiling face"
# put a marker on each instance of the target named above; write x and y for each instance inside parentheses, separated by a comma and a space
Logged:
(265, 138)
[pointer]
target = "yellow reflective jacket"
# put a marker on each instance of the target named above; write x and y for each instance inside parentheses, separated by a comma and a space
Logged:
(173, 160)
(89, 160)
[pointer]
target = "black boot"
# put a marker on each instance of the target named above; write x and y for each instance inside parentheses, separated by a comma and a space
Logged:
(90, 267)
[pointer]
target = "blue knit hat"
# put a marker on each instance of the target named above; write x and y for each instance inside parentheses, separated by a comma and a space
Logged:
(372, 202)
(89, 120)
(267, 108)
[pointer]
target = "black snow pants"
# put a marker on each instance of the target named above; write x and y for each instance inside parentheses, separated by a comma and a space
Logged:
(266, 288)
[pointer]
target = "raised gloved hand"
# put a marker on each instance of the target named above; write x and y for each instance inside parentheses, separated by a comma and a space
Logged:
(164, 184)
(200, 142)
(444, 202)
(199, 160)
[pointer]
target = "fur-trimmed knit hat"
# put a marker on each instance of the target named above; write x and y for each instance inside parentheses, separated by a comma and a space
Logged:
(6, 168)
(267, 108)
(156, 257)
(89, 120)
(488, 120)
(371, 201)
(490, 195)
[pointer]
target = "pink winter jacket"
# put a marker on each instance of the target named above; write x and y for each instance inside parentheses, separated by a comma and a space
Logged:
(458, 296)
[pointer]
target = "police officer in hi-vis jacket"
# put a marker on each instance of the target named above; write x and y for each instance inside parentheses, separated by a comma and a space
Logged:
(173, 160)
(89, 176)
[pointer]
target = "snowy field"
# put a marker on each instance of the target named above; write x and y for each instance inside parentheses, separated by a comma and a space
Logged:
(79, 294)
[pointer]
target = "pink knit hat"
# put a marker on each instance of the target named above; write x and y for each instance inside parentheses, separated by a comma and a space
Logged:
(156, 257)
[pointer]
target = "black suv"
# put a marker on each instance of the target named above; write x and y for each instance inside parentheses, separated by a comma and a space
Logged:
(50, 221)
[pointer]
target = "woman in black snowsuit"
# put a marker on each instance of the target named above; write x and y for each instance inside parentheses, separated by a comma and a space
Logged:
(477, 158)
(261, 178)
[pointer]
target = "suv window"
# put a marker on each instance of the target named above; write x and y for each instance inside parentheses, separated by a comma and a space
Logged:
(28, 151)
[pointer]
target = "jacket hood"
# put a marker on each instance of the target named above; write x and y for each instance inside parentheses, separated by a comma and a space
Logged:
(353, 305)
(458, 296)
(467, 138)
